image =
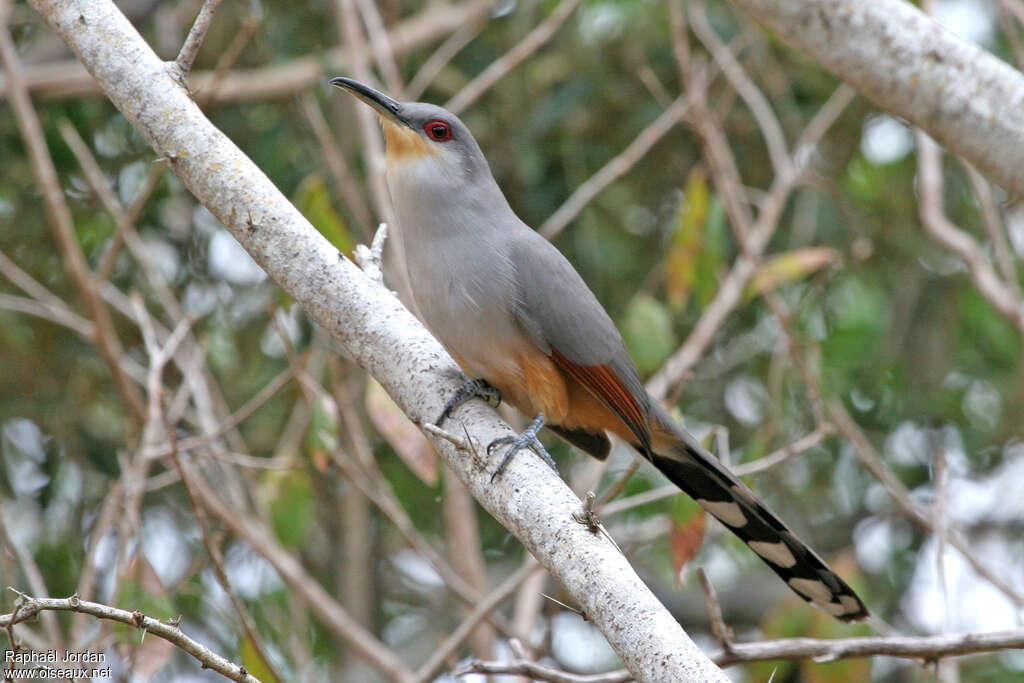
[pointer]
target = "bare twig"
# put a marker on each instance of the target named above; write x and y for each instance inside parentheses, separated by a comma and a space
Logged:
(195, 37)
(60, 218)
(362, 643)
(380, 44)
(489, 603)
(755, 100)
(158, 422)
(730, 292)
(718, 625)
(773, 459)
(871, 461)
(344, 182)
(933, 215)
(440, 58)
(32, 606)
(615, 168)
(35, 579)
(525, 47)
(615, 489)
(993, 225)
(538, 672)
(66, 79)
(786, 452)
(113, 498)
(227, 59)
(153, 177)
(909, 647)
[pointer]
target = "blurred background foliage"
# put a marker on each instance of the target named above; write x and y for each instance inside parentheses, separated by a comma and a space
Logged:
(890, 322)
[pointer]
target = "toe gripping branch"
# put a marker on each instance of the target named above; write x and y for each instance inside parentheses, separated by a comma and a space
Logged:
(470, 389)
(478, 388)
(527, 439)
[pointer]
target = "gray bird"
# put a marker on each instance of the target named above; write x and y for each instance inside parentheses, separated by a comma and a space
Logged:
(520, 321)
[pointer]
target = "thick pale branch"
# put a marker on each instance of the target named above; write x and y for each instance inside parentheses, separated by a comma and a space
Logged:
(907, 63)
(529, 500)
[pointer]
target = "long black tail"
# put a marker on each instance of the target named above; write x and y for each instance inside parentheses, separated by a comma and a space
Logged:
(694, 470)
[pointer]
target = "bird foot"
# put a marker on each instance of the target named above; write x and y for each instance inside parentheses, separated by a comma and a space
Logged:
(527, 439)
(473, 388)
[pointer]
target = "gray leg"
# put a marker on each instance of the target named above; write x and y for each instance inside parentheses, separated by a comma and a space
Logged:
(473, 388)
(527, 438)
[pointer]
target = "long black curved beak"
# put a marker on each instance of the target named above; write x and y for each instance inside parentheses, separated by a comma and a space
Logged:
(384, 105)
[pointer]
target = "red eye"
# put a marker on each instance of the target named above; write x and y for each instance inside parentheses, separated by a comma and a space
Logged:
(438, 130)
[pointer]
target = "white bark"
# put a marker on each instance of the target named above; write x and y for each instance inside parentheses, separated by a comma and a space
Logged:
(907, 63)
(529, 499)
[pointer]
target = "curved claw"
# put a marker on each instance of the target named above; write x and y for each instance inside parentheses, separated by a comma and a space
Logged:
(472, 388)
(527, 439)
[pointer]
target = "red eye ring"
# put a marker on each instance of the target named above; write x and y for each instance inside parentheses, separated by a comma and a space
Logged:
(437, 130)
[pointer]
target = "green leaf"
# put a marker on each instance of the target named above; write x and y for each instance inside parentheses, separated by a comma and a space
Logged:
(314, 201)
(687, 240)
(788, 267)
(684, 509)
(254, 664)
(647, 329)
(711, 258)
(291, 506)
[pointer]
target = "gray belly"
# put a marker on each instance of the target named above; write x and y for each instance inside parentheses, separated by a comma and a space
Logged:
(466, 300)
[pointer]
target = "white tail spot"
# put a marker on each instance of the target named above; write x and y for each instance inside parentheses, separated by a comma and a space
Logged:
(850, 604)
(776, 553)
(725, 510)
(815, 590)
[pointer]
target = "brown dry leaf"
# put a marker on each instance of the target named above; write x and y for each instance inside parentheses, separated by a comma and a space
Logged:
(685, 540)
(407, 440)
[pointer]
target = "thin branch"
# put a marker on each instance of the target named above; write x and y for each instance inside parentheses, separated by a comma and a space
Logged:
(306, 588)
(195, 37)
(718, 625)
(149, 185)
(344, 182)
(730, 292)
(486, 605)
(783, 454)
(994, 228)
(933, 215)
(755, 100)
(230, 56)
(28, 607)
(35, 579)
(60, 218)
(908, 647)
(66, 79)
(158, 422)
(380, 44)
(871, 461)
(762, 464)
(440, 58)
(500, 67)
(538, 672)
(615, 168)
(113, 498)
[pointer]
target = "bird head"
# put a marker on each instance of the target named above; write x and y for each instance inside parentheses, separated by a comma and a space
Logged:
(421, 138)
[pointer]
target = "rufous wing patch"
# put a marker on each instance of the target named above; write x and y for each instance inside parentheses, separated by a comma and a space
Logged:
(603, 382)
